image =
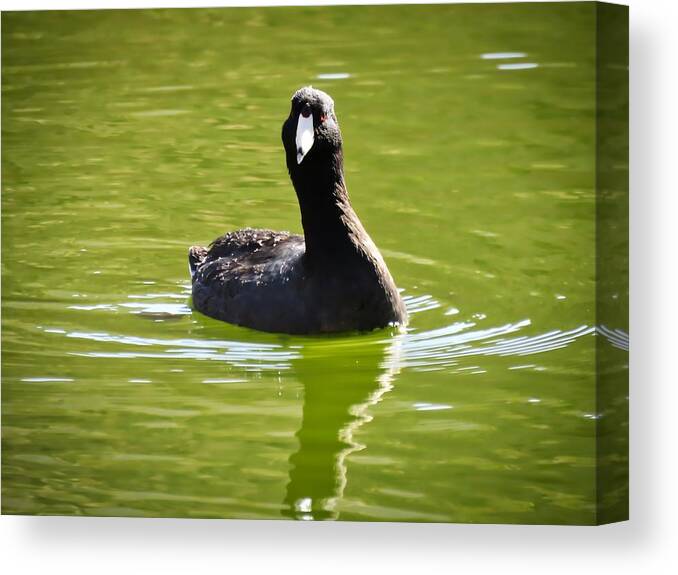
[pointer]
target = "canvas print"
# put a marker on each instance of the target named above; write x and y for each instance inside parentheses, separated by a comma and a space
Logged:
(359, 263)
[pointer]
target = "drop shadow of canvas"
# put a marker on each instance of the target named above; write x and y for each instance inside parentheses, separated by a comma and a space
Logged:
(341, 382)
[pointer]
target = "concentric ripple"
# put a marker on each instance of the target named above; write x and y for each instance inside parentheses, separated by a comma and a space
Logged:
(427, 350)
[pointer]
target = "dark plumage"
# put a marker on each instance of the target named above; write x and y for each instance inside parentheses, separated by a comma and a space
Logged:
(332, 279)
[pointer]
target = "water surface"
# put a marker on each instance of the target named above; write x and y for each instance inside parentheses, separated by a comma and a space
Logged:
(469, 144)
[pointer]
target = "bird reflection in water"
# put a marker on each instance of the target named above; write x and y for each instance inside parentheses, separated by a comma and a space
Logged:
(336, 404)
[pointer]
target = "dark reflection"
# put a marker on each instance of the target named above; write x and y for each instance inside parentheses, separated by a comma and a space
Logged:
(336, 403)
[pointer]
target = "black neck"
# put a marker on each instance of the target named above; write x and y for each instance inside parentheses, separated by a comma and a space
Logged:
(332, 229)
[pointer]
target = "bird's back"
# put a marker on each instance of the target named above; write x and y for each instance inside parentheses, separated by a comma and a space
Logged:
(252, 278)
(261, 279)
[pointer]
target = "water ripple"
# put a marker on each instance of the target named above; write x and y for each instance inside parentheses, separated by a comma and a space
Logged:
(440, 347)
(246, 355)
(334, 76)
(502, 55)
(418, 304)
(617, 337)
(518, 66)
(429, 350)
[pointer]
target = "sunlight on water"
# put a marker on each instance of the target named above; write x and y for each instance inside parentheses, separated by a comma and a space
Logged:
(417, 350)
(502, 55)
(521, 66)
(334, 76)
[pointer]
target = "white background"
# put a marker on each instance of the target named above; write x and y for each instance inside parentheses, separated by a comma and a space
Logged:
(647, 544)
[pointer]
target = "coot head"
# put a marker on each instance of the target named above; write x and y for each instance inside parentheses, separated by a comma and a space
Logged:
(311, 133)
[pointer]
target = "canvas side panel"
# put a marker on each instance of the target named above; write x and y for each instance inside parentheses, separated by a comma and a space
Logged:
(612, 255)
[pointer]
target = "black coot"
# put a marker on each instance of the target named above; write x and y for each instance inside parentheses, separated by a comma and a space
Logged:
(331, 279)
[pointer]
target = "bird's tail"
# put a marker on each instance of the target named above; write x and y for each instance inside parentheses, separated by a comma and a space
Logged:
(196, 256)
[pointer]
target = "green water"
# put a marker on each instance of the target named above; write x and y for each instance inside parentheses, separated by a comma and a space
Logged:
(130, 135)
